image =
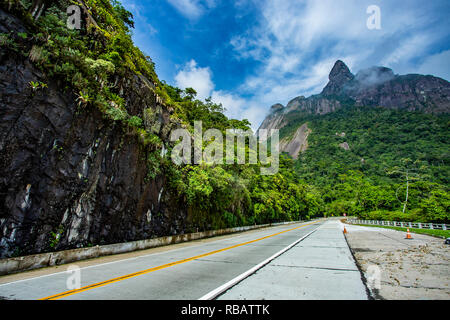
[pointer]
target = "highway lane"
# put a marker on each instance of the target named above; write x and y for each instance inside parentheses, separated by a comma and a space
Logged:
(321, 267)
(188, 272)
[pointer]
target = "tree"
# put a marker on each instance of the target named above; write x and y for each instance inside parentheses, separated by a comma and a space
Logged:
(124, 15)
(411, 172)
(190, 93)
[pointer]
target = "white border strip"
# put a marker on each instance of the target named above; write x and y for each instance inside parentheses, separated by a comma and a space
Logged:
(216, 292)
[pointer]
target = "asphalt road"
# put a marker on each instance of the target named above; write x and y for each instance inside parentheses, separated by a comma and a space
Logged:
(269, 263)
(320, 267)
(191, 271)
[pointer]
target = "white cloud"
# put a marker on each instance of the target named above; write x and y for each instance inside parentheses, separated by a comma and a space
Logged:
(232, 103)
(255, 114)
(409, 48)
(192, 9)
(240, 108)
(195, 77)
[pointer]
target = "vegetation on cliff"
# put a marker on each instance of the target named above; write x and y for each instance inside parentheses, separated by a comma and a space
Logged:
(94, 62)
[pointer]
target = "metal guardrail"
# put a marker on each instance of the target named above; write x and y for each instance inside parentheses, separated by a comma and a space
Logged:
(417, 225)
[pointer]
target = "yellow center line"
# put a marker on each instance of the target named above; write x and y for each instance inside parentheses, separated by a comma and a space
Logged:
(135, 274)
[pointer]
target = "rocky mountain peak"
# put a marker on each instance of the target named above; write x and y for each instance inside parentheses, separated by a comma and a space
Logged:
(340, 72)
(375, 86)
(339, 76)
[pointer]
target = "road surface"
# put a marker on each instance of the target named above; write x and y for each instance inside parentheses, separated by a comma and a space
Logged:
(199, 269)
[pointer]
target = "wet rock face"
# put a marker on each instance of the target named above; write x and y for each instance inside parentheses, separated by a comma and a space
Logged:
(68, 176)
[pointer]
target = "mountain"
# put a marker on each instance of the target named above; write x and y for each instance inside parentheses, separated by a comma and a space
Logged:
(372, 87)
(375, 144)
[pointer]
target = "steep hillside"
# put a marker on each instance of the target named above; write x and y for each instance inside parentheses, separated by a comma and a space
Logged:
(84, 141)
(368, 136)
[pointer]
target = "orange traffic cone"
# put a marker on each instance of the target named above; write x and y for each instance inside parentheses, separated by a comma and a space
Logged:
(345, 230)
(408, 235)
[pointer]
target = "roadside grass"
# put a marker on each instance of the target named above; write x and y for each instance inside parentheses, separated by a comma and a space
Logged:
(430, 232)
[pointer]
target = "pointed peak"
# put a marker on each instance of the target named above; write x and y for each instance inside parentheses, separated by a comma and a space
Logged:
(340, 72)
(339, 76)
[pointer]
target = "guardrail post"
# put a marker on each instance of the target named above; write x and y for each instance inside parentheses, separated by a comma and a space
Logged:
(444, 226)
(410, 225)
(420, 225)
(431, 226)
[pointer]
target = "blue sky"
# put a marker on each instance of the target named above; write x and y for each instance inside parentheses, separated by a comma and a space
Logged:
(250, 54)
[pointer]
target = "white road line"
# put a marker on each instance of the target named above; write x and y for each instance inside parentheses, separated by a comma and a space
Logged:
(216, 292)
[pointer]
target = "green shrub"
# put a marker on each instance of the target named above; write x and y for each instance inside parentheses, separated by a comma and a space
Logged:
(135, 121)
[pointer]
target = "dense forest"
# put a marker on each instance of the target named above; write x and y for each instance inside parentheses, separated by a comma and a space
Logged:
(233, 195)
(388, 152)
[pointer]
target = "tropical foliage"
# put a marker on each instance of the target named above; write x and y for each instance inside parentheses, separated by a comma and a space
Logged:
(393, 154)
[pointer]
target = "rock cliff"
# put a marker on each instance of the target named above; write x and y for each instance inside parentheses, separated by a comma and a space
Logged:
(69, 177)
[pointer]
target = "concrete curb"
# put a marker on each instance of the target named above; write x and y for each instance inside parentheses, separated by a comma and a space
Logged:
(35, 261)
